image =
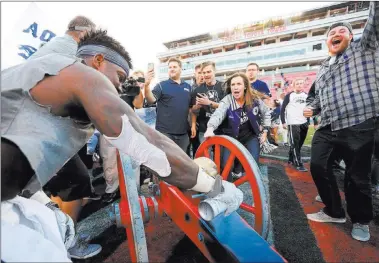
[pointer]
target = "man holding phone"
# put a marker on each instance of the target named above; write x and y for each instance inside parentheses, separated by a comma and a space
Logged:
(206, 98)
(173, 98)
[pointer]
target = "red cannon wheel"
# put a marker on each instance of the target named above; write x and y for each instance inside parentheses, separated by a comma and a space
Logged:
(128, 211)
(255, 207)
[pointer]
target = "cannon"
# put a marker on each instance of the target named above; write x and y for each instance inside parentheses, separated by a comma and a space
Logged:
(239, 237)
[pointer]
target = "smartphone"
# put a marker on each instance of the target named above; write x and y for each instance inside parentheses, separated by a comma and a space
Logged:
(150, 67)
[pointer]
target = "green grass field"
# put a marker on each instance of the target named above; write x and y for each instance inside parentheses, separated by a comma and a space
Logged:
(308, 140)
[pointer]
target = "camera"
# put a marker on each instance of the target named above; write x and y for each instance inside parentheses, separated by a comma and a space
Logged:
(130, 86)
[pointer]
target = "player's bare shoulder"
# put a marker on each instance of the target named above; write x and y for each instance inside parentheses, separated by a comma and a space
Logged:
(58, 91)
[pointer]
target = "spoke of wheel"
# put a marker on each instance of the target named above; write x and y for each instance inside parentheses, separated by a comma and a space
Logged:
(240, 181)
(217, 157)
(248, 208)
(228, 167)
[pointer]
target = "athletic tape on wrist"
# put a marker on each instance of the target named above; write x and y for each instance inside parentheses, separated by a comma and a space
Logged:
(136, 146)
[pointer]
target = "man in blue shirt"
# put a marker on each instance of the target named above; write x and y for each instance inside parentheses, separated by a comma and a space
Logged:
(173, 98)
(252, 70)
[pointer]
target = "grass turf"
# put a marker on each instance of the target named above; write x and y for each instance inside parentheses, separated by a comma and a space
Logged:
(308, 139)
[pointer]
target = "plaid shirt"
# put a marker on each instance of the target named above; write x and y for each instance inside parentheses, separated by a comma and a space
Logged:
(347, 92)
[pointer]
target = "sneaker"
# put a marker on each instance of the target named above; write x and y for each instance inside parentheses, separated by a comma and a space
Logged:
(360, 232)
(93, 196)
(82, 250)
(324, 218)
(301, 168)
(110, 197)
(318, 198)
(290, 162)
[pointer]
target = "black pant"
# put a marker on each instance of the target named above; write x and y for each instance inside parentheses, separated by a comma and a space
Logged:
(72, 182)
(86, 159)
(16, 171)
(195, 143)
(297, 135)
(355, 146)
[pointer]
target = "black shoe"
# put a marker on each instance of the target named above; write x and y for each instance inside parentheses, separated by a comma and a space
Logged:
(110, 197)
(93, 196)
(301, 168)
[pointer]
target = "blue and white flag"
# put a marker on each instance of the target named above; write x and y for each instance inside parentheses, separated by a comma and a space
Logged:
(32, 29)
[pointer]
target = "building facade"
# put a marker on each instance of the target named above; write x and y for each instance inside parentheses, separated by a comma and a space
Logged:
(284, 48)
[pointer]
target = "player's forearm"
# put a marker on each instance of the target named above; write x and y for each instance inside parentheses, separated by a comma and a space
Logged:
(179, 161)
(106, 110)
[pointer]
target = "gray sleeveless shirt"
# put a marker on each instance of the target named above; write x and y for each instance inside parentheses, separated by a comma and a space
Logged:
(47, 141)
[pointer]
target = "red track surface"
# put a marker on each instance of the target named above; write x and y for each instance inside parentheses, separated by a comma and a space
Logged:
(334, 240)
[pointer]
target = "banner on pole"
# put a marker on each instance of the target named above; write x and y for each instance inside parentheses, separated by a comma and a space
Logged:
(32, 30)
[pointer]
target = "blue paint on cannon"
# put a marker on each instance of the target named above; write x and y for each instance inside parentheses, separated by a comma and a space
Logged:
(241, 242)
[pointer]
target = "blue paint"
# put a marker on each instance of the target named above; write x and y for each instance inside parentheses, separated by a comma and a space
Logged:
(240, 240)
(199, 195)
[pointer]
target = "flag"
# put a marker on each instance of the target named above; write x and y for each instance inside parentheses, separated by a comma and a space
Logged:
(32, 29)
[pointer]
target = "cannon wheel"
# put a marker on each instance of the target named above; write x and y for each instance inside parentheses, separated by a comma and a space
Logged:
(129, 210)
(255, 207)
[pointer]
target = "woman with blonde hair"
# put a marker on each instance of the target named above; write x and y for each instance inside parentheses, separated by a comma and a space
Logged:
(240, 115)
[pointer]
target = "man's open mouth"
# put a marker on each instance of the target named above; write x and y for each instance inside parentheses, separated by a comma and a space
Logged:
(336, 42)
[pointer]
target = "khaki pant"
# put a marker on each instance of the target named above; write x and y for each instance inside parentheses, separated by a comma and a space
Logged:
(109, 155)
